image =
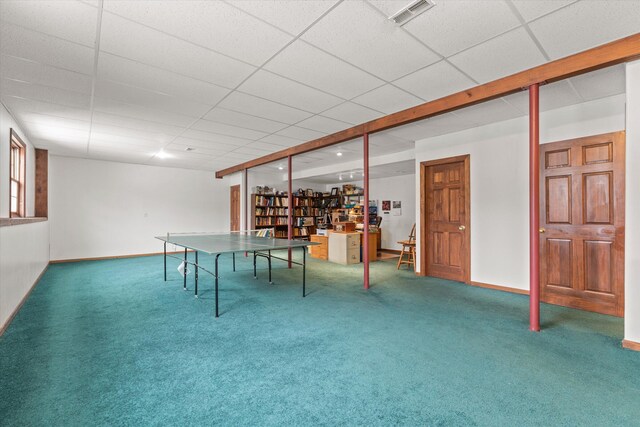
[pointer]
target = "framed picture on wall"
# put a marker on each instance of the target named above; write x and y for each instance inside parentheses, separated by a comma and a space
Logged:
(386, 205)
(309, 192)
(334, 191)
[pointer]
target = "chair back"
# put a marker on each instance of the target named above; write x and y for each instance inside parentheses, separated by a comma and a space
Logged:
(412, 235)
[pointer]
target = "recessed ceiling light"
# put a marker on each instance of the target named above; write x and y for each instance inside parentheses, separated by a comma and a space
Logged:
(351, 176)
(163, 154)
(340, 177)
(280, 168)
(338, 154)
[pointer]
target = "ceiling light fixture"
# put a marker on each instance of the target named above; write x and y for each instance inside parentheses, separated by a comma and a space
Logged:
(340, 177)
(280, 168)
(351, 176)
(163, 154)
(338, 154)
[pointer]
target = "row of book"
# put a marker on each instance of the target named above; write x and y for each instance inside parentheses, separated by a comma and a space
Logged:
(307, 212)
(272, 211)
(297, 232)
(272, 201)
(271, 221)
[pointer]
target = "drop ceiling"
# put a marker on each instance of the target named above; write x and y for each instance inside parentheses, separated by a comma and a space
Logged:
(124, 80)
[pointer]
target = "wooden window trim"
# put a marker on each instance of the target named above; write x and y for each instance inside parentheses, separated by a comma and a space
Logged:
(16, 141)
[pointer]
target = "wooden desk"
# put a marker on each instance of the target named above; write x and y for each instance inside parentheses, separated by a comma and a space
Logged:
(320, 251)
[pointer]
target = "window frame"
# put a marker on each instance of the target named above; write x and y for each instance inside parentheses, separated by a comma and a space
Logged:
(16, 142)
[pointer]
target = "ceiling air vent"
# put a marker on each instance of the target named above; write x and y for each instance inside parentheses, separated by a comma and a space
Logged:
(410, 11)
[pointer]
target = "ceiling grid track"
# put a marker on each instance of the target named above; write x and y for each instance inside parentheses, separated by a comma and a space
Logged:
(95, 70)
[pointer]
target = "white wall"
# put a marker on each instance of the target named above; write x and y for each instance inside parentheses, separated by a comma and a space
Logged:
(100, 208)
(24, 248)
(499, 181)
(24, 254)
(6, 123)
(632, 214)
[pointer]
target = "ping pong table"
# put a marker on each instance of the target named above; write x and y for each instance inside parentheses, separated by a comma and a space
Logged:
(224, 243)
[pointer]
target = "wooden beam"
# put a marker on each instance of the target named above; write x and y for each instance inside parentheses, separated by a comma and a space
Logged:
(616, 52)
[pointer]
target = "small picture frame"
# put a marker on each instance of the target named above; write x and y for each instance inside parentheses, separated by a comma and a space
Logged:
(334, 191)
(309, 192)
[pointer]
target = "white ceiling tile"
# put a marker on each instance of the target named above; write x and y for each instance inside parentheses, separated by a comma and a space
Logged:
(235, 118)
(309, 65)
(292, 16)
(271, 148)
(454, 25)
(223, 129)
(323, 124)
(586, 24)
(435, 81)
(237, 157)
(44, 93)
(411, 132)
(260, 107)
(139, 137)
(212, 146)
(59, 135)
(122, 146)
(251, 151)
(531, 10)
(352, 113)
(599, 84)
(357, 33)
(552, 96)
(134, 41)
(69, 20)
(149, 99)
(212, 150)
(35, 119)
(493, 111)
(23, 43)
(499, 57)
(388, 99)
(283, 141)
(133, 73)
(215, 138)
(301, 133)
(25, 107)
(100, 117)
(273, 87)
(25, 70)
(63, 148)
(118, 108)
(214, 25)
(440, 125)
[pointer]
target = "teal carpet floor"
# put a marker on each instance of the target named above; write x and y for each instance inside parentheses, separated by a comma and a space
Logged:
(110, 343)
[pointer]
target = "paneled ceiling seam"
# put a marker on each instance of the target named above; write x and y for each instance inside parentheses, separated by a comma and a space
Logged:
(94, 78)
(253, 73)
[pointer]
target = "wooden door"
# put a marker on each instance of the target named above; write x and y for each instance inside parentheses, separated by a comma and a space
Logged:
(445, 229)
(235, 208)
(582, 223)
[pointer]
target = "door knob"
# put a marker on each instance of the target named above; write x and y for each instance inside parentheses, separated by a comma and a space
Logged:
(542, 230)
(462, 228)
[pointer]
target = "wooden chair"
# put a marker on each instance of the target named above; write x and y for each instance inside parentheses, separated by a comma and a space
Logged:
(408, 250)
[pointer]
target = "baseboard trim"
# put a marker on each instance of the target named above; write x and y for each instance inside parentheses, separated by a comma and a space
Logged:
(392, 251)
(631, 345)
(102, 258)
(4, 327)
(500, 288)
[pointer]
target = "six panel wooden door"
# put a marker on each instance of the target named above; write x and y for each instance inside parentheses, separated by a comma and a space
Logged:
(235, 208)
(582, 223)
(447, 221)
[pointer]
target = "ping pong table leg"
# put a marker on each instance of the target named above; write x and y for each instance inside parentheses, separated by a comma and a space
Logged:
(234, 262)
(216, 271)
(255, 275)
(185, 270)
(304, 271)
(196, 275)
(269, 259)
(165, 261)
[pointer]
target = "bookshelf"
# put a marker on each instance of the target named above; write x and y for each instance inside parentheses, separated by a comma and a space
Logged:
(271, 211)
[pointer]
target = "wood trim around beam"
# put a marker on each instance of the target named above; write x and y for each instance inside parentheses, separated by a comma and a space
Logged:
(616, 52)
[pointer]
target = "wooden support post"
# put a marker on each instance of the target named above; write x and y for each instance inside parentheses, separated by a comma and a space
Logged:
(534, 208)
(365, 240)
(290, 207)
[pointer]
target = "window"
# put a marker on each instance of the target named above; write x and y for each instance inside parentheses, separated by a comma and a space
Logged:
(17, 170)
